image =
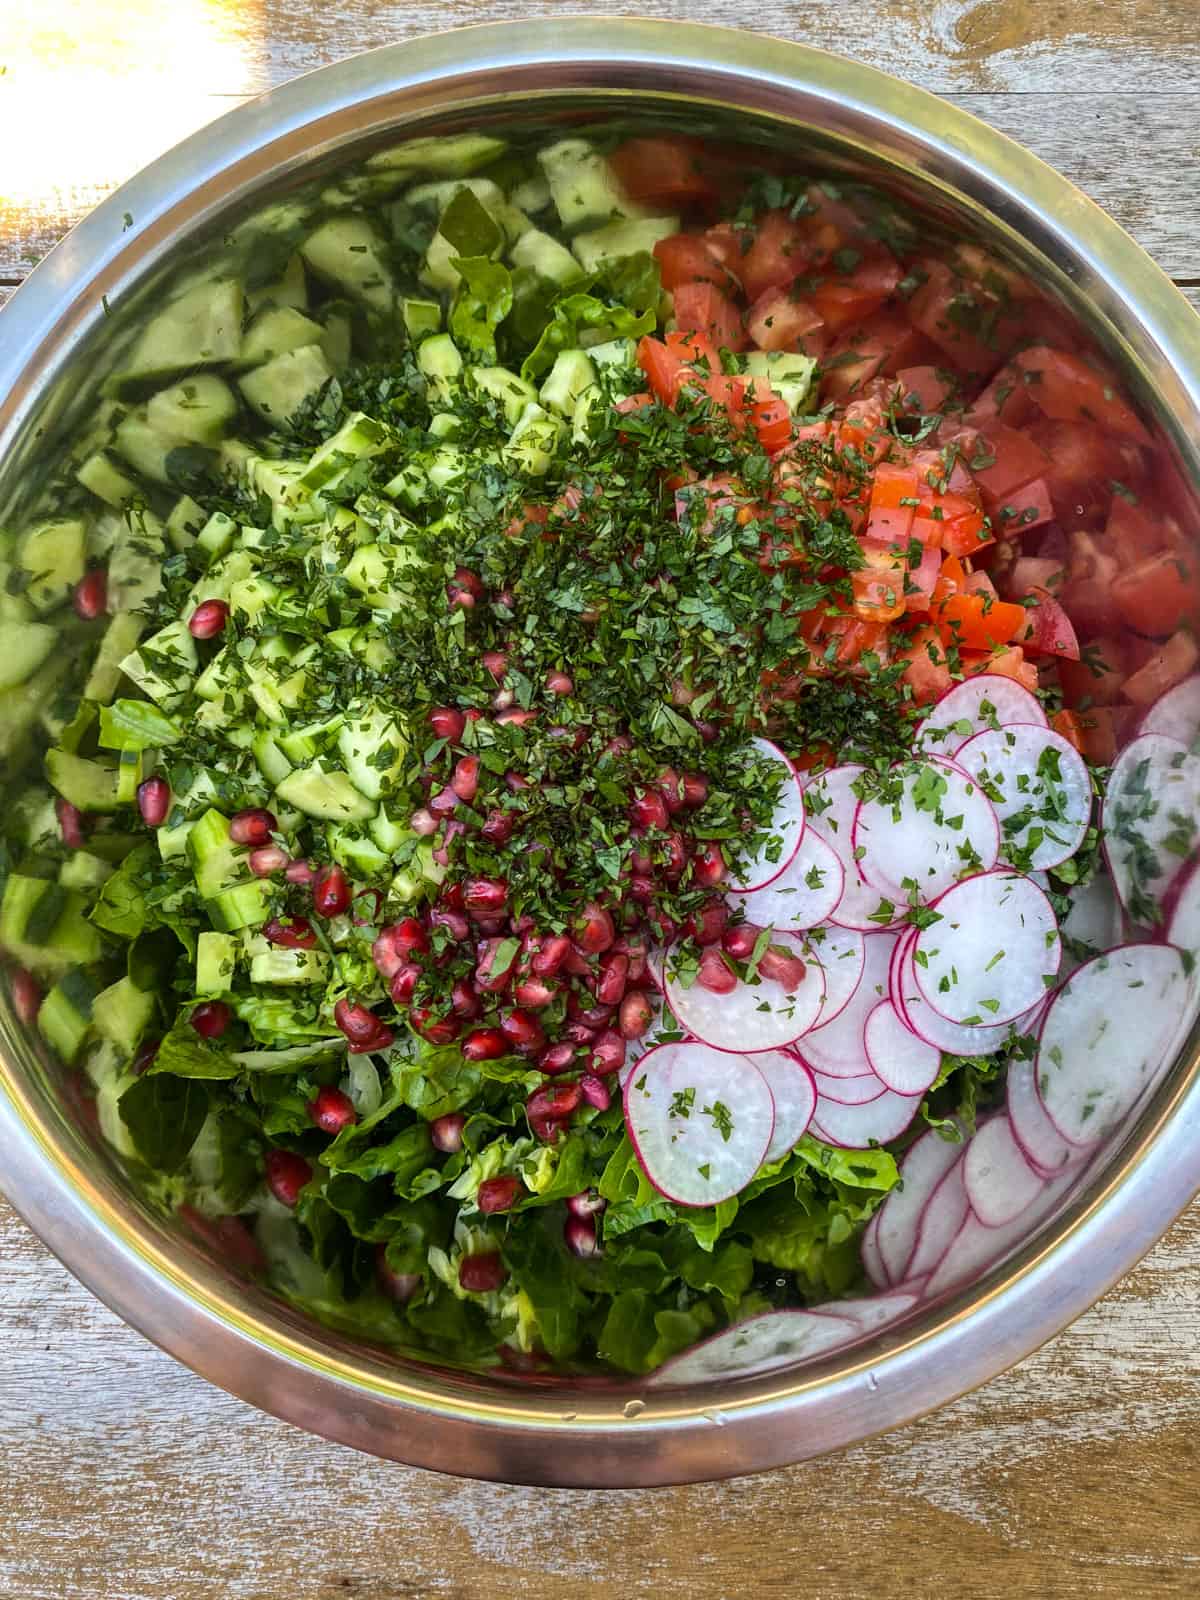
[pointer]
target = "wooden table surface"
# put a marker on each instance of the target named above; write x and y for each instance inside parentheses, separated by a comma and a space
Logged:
(124, 1477)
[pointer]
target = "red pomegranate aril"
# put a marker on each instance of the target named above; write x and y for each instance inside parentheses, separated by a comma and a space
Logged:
(404, 981)
(592, 1016)
(291, 933)
(423, 822)
(465, 781)
(708, 865)
(560, 683)
(70, 824)
(706, 925)
(331, 893)
(614, 975)
(579, 1236)
(713, 973)
(301, 872)
(358, 1024)
(144, 1058)
(641, 860)
(548, 1108)
(516, 782)
(208, 619)
(515, 717)
(557, 1057)
(452, 923)
(446, 1132)
(485, 897)
(448, 723)
(487, 980)
(408, 936)
(332, 1110)
(633, 947)
(482, 1274)
(452, 897)
(550, 955)
(211, 1018)
(739, 940)
(676, 855)
(642, 890)
(665, 927)
(442, 803)
(595, 1091)
(382, 1039)
(90, 598)
(495, 662)
(489, 927)
(485, 1044)
(608, 1053)
(579, 1033)
(498, 827)
(498, 1194)
(398, 1286)
(778, 964)
(670, 785)
(286, 1174)
(523, 1032)
(267, 859)
(464, 1002)
(154, 801)
(253, 826)
(534, 993)
(635, 1015)
(693, 790)
(587, 1204)
(26, 996)
(649, 810)
(616, 747)
(593, 929)
(465, 588)
(436, 1030)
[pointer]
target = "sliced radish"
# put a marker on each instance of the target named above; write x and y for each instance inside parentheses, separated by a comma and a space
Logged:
(1107, 1035)
(774, 1339)
(1095, 918)
(1042, 1145)
(1150, 821)
(942, 1218)
(1183, 926)
(805, 892)
(831, 803)
(984, 701)
(700, 1121)
(848, 1091)
(868, 1249)
(836, 1047)
(976, 1248)
(842, 954)
(900, 1059)
(937, 1030)
(795, 1096)
(932, 824)
(1040, 787)
(761, 1015)
(873, 1311)
(924, 1166)
(663, 1029)
(1177, 713)
(992, 953)
(1000, 1182)
(858, 1127)
(782, 837)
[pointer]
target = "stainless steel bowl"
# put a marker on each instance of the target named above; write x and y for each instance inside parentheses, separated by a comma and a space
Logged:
(57, 335)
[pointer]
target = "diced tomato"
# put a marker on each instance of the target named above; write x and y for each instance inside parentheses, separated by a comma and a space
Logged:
(878, 586)
(1065, 387)
(1132, 532)
(1159, 595)
(927, 672)
(861, 432)
(1083, 463)
(894, 501)
(925, 389)
(1167, 667)
(1035, 572)
(965, 535)
(845, 299)
(777, 322)
(672, 173)
(702, 308)
(771, 419)
(697, 504)
(921, 580)
(969, 618)
(686, 258)
(1048, 630)
(694, 348)
(778, 254)
(634, 402)
(1096, 678)
(829, 222)
(1009, 663)
(1006, 399)
(955, 315)
(726, 393)
(1091, 732)
(724, 244)
(662, 367)
(1001, 461)
(928, 530)
(949, 513)
(1025, 509)
(880, 344)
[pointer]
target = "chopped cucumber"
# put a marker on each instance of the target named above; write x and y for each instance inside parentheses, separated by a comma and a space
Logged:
(202, 327)
(197, 410)
(26, 646)
(52, 556)
(86, 784)
(122, 1012)
(348, 252)
(512, 392)
(583, 187)
(101, 474)
(274, 332)
(279, 387)
(452, 156)
(65, 1015)
(539, 253)
(216, 960)
(329, 796)
(620, 239)
(571, 376)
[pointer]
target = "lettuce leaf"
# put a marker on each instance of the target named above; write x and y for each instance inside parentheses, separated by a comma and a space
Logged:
(484, 299)
(164, 1116)
(620, 303)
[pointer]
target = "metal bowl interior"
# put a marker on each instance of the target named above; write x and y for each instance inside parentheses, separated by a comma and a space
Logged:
(209, 195)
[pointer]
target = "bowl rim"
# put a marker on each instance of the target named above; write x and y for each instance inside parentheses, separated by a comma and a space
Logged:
(631, 1435)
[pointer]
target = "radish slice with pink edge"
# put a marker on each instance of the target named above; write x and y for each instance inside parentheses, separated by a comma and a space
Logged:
(992, 953)
(1042, 1145)
(931, 1026)
(1183, 925)
(836, 1047)
(1040, 787)
(1108, 1033)
(930, 823)
(1096, 920)
(803, 894)
(831, 804)
(925, 1164)
(868, 1250)
(773, 1339)
(1000, 1182)
(1176, 713)
(858, 1127)
(942, 1219)
(874, 1311)
(900, 1059)
(700, 1121)
(795, 1096)
(781, 837)
(848, 1091)
(842, 955)
(761, 1015)
(663, 1029)
(1150, 820)
(984, 701)
(976, 1248)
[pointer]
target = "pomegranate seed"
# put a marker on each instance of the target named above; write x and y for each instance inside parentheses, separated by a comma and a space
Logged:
(694, 790)
(144, 1059)
(26, 995)
(254, 826)
(714, 974)
(580, 1033)
(516, 782)
(154, 801)
(267, 859)
(523, 1032)
(485, 896)
(635, 1015)
(211, 1019)
(495, 662)
(447, 1132)
(739, 940)
(443, 802)
(515, 717)
(488, 927)
(286, 1174)
(331, 893)
(485, 1044)
(382, 1039)
(489, 981)
(594, 929)
(481, 1274)
(398, 1286)
(665, 927)
(465, 781)
(642, 890)
(358, 1024)
(649, 810)
(504, 600)
(670, 785)
(453, 924)
(560, 683)
(464, 1002)
(778, 964)
(548, 1108)
(91, 595)
(633, 947)
(447, 723)
(292, 933)
(498, 827)
(408, 936)
(707, 924)
(595, 1091)
(404, 982)
(614, 975)
(423, 822)
(437, 1030)
(208, 619)
(587, 1204)
(579, 1236)
(676, 855)
(452, 897)
(503, 699)
(592, 1016)
(556, 1057)
(332, 1110)
(617, 747)
(708, 865)
(681, 694)
(534, 993)
(302, 872)
(550, 955)
(608, 1054)
(578, 964)
(465, 588)
(70, 824)
(498, 1194)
